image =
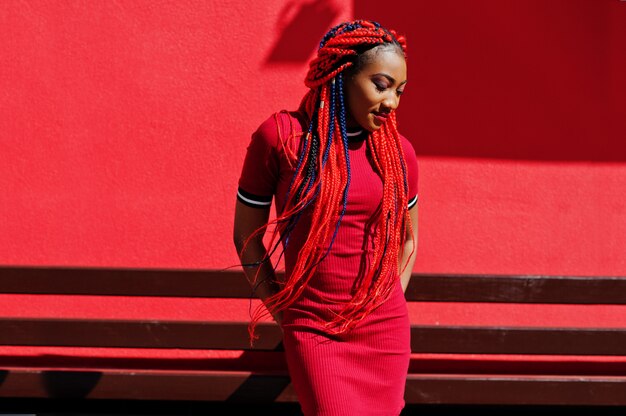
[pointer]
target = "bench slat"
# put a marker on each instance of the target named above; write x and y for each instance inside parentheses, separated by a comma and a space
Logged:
(244, 387)
(517, 289)
(124, 282)
(515, 390)
(233, 284)
(233, 335)
(518, 340)
(136, 334)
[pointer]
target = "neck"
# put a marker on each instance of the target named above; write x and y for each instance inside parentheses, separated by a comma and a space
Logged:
(356, 134)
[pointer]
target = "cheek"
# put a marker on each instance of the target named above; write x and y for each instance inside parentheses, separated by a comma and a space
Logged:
(368, 99)
(360, 102)
(352, 103)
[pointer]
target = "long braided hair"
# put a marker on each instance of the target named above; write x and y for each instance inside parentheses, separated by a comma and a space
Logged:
(322, 179)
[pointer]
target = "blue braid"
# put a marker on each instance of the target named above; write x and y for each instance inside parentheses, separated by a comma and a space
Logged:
(293, 220)
(331, 123)
(344, 139)
(343, 28)
(336, 104)
(302, 153)
(337, 91)
(311, 175)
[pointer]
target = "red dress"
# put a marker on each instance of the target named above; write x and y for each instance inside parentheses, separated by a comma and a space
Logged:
(362, 372)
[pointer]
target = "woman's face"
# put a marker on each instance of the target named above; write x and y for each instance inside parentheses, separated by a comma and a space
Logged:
(375, 90)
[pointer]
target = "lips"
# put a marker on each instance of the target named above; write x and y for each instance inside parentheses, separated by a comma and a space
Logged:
(381, 117)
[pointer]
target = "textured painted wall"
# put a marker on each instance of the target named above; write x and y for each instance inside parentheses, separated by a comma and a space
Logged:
(517, 110)
(123, 126)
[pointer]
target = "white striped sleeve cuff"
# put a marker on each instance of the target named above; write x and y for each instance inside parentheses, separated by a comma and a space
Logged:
(252, 200)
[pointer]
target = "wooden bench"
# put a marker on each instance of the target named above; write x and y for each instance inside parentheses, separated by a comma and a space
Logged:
(453, 364)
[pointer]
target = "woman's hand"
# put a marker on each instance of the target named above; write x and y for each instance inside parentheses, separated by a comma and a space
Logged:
(247, 221)
(410, 244)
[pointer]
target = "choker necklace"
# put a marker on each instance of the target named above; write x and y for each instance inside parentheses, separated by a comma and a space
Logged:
(356, 136)
(354, 133)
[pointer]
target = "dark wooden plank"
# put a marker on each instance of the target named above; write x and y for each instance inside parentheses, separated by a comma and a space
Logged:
(518, 340)
(233, 284)
(266, 387)
(234, 335)
(136, 334)
(519, 390)
(144, 385)
(170, 360)
(126, 282)
(517, 289)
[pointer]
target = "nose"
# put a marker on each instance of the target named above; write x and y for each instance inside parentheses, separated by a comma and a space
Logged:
(391, 101)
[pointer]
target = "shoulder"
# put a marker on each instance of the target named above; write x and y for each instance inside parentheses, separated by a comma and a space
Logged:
(407, 148)
(279, 126)
(412, 169)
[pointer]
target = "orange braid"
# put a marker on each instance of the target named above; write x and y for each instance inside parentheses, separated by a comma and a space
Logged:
(323, 175)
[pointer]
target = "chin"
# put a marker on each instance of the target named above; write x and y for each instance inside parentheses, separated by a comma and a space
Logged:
(373, 127)
(369, 126)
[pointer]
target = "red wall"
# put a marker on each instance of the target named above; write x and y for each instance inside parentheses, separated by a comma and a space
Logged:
(517, 110)
(123, 127)
(124, 124)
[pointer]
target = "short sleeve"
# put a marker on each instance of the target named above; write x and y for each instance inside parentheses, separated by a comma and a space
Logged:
(260, 171)
(412, 171)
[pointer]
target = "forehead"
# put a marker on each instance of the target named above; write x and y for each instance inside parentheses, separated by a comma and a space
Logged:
(385, 60)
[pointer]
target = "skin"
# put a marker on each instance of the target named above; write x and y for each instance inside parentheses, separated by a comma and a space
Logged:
(410, 244)
(375, 88)
(247, 221)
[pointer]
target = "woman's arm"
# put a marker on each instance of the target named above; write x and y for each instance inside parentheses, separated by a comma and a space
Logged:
(405, 252)
(247, 221)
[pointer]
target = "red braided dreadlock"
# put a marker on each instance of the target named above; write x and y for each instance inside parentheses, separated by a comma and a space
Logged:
(322, 179)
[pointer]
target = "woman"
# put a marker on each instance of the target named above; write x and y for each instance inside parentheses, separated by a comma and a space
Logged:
(345, 187)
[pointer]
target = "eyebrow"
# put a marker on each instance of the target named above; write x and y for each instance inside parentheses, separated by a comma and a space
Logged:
(391, 79)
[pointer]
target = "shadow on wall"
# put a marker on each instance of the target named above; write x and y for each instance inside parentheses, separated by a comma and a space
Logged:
(300, 28)
(520, 79)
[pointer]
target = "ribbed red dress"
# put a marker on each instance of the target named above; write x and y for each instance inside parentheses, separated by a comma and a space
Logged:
(362, 372)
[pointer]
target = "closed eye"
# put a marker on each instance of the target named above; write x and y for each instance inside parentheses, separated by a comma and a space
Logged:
(379, 87)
